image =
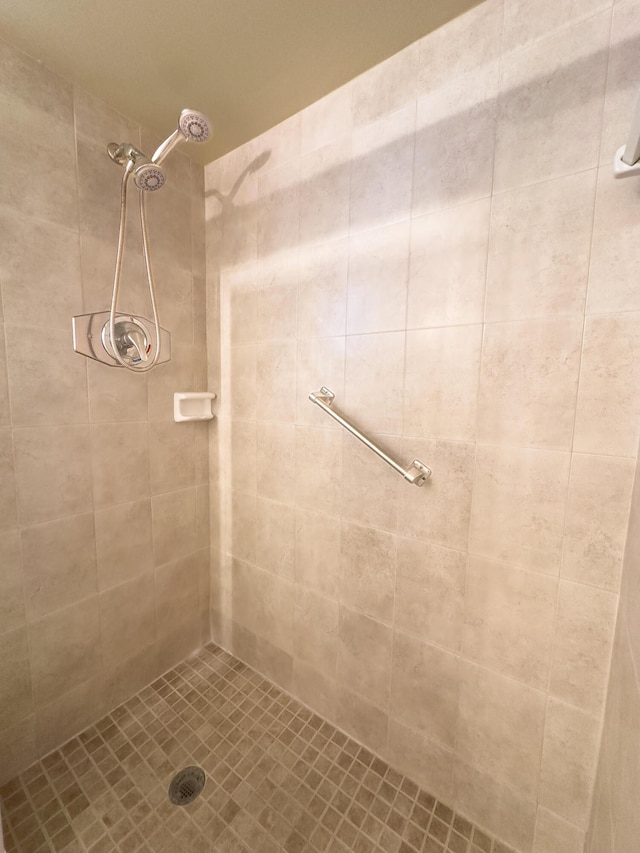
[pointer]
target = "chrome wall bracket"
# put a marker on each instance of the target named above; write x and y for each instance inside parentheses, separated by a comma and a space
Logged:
(417, 473)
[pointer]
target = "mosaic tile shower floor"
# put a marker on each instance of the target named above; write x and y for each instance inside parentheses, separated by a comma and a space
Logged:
(279, 778)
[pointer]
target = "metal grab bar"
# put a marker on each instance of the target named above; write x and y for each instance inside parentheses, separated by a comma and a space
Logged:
(417, 473)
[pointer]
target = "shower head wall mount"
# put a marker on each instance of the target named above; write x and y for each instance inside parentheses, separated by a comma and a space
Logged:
(148, 173)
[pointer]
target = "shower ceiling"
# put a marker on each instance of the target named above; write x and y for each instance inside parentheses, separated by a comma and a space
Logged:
(248, 64)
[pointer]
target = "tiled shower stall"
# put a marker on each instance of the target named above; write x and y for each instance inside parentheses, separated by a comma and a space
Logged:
(440, 242)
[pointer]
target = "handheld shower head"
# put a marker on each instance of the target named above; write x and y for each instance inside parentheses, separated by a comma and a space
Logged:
(148, 176)
(192, 127)
(195, 126)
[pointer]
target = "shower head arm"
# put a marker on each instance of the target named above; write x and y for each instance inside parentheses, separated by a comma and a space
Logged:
(167, 146)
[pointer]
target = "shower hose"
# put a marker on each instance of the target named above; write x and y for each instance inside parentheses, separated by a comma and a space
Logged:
(143, 367)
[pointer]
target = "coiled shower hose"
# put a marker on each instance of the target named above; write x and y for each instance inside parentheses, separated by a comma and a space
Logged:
(118, 270)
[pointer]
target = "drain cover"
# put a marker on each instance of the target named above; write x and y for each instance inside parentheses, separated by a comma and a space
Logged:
(186, 785)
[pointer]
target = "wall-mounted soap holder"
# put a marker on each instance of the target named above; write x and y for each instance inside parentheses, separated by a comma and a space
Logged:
(192, 406)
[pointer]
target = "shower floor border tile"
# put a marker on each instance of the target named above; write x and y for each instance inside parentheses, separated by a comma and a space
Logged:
(279, 779)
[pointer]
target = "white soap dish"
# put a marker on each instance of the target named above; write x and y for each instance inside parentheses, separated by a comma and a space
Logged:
(192, 406)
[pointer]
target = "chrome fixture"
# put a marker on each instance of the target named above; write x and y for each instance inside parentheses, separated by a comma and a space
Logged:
(125, 340)
(626, 163)
(417, 473)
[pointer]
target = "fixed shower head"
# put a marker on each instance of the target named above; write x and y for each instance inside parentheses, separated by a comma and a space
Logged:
(192, 127)
(148, 176)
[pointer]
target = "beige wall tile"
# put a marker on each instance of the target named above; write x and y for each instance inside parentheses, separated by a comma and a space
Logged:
(465, 45)
(119, 462)
(439, 511)
(36, 85)
(368, 570)
(322, 289)
(124, 544)
(18, 748)
(425, 683)
(275, 537)
(320, 363)
(8, 507)
(370, 489)
(555, 835)
(614, 265)
(430, 586)
(326, 120)
(5, 415)
(582, 647)
(242, 524)
(539, 249)
(278, 210)
(16, 700)
(441, 382)
(238, 310)
(128, 677)
(128, 619)
(116, 395)
(65, 649)
(607, 417)
(361, 719)
(44, 158)
(59, 563)
(38, 251)
(316, 631)
(314, 689)
(550, 91)
(378, 274)
(317, 551)
(239, 383)
(12, 605)
(509, 620)
(277, 287)
(276, 460)
(453, 128)
(173, 516)
(381, 170)
(597, 517)
(276, 371)
(365, 656)
(501, 728)
(69, 714)
(489, 803)
(96, 122)
(374, 382)
(171, 456)
(524, 24)
(447, 266)
(324, 192)
(275, 663)
(569, 760)
(518, 509)
(318, 469)
(176, 593)
(388, 87)
(53, 472)
(529, 381)
(238, 454)
(422, 759)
